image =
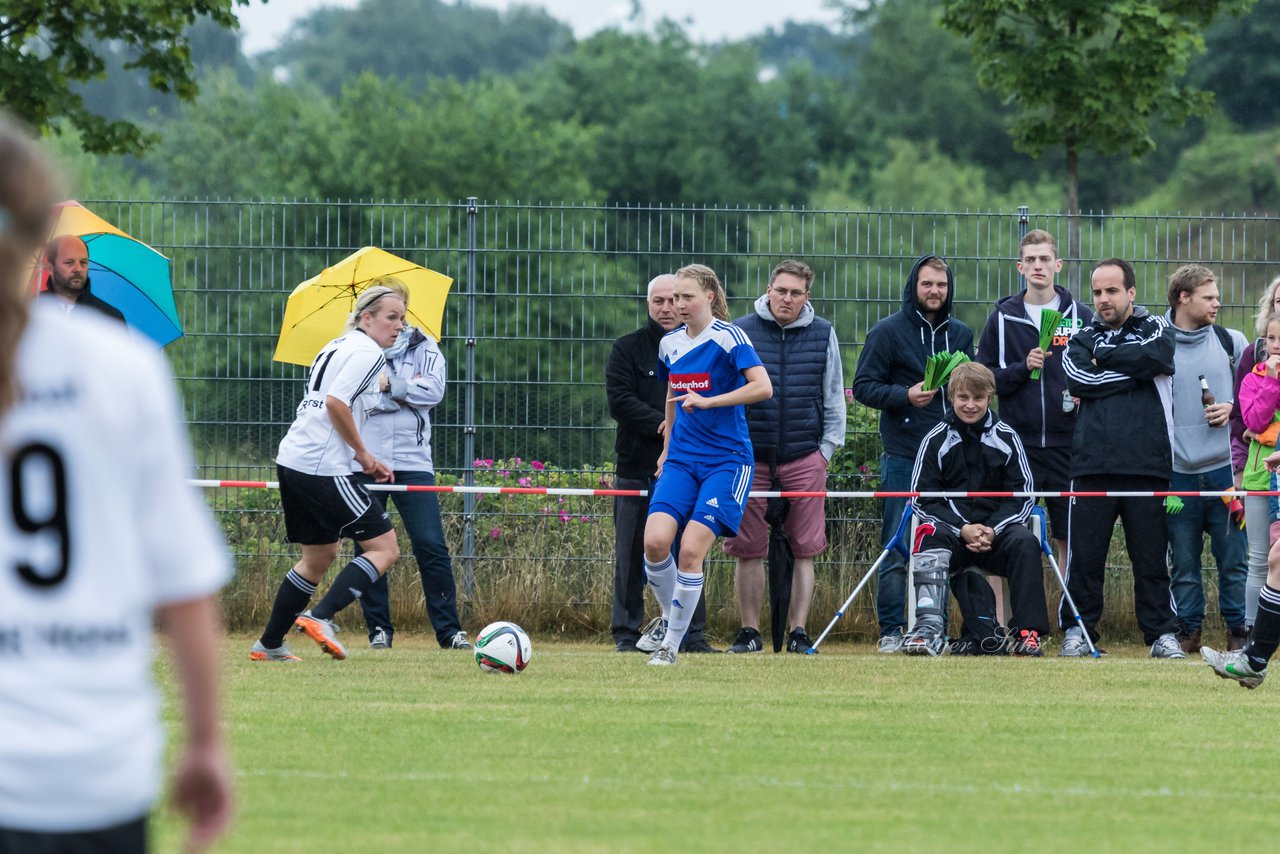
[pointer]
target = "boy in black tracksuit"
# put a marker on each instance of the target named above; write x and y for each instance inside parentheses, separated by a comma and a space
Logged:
(972, 450)
(1121, 368)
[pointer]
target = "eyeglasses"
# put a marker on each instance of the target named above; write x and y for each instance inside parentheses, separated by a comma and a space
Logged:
(784, 293)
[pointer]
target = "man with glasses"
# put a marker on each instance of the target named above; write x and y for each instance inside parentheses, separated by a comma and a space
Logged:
(794, 434)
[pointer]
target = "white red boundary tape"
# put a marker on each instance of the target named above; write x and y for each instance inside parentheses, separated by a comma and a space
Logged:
(551, 490)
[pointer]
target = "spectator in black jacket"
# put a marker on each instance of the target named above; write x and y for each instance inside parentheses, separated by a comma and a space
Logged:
(972, 450)
(890, 378)
(1041, 410)
(637, 401)
(1120, 366)
(67, 260)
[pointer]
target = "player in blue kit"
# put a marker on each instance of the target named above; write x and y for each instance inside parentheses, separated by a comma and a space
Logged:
(704, 472)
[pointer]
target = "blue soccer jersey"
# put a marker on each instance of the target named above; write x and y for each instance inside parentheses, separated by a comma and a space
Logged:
(709, 364)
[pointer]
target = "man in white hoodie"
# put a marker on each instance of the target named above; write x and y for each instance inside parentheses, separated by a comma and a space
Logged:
(794, 434)
(1205, 356)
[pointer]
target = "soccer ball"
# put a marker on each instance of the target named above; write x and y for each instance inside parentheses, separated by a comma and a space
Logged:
(502, 647)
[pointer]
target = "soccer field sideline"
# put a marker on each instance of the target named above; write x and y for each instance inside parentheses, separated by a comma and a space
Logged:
(416, 748)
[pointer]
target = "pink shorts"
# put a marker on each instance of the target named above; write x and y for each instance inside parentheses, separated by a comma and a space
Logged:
(806, 523)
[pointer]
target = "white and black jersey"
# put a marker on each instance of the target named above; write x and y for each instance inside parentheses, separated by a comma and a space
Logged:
(99, 528)
(347, 369)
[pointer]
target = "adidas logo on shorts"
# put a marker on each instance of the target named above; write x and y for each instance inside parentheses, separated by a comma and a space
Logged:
(712, 502)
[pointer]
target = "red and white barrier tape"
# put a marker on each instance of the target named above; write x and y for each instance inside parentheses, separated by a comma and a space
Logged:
(550, 490)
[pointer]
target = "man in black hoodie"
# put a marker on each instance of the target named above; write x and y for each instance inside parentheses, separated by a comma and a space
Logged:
(1041, 410)
(637, 401)
(890, 378)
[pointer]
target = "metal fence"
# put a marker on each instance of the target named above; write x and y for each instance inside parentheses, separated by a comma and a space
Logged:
(542, 290)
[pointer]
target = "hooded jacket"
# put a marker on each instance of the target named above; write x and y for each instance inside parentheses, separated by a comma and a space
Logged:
(398, 430)
(1197, 447)
(893, 359)
(1032, 407)
(807, 411)
(1123, 421)
(983, 457)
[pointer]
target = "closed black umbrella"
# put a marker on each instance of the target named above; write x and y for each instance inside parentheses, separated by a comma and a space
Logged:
(781, 568)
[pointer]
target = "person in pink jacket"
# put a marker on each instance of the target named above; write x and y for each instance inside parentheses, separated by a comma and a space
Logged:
(1259, 401)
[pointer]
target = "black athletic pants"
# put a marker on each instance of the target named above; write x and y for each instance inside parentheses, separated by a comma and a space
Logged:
(1091, 523)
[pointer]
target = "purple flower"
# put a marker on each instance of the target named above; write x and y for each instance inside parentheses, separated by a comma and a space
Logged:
(517, 461)
(536, 466)
(505, 473)
(524, 481)
(584, 518)
(564, 516)
(495, 532)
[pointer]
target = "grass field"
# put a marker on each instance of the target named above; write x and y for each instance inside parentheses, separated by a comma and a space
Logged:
(415, 749)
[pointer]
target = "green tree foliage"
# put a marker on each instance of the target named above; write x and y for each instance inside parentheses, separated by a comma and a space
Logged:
(1228, 172)
(417, 40)
(46, 48)
(681, 123)
(1241, 67)
(1088, 74)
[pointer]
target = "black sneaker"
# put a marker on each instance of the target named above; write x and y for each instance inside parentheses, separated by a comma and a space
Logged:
(699, 645)
(748, 640)
(798, 641)
(626, 645)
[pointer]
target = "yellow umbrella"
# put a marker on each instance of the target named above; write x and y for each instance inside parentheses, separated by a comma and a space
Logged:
(317, 310)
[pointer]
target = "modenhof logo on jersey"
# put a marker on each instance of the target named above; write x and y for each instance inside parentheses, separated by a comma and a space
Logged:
(691, 382)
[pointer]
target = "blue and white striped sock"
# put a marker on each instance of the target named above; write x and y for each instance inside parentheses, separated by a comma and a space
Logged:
(662, 578)
(683, 600)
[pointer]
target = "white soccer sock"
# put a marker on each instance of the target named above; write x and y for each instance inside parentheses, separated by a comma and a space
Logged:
(683, 600)
(662, 577)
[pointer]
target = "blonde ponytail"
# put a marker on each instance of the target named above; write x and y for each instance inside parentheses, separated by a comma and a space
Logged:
(28, 189)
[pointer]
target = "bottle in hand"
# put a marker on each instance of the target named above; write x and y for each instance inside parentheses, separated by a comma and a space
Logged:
(1206, 397)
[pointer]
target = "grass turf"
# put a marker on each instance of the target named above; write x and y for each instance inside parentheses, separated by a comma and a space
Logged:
(591, 750)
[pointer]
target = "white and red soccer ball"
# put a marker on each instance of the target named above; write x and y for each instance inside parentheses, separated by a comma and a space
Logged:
(503, 647)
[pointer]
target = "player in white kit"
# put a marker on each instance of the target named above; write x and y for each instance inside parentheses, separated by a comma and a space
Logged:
(323, 502)
(99, 534)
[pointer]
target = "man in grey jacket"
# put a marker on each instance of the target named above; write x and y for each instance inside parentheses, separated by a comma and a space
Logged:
(794, 434)
(1204, 356)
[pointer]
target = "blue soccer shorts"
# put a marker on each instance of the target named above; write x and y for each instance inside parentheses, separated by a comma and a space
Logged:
(712, 493)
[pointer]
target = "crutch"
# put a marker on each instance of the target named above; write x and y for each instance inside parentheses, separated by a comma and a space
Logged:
(897, 541)
(1043, 522)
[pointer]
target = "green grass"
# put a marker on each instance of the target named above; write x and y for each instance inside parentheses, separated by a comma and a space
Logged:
(589, 750)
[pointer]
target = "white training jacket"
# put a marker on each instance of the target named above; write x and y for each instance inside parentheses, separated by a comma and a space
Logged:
(398, 431)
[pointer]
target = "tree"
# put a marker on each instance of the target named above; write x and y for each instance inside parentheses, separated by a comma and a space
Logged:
(415, 41)
(1088, 73)
(1240, 65)
(45, 48)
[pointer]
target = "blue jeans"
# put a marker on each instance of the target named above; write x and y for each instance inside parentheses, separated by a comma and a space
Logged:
(420, 514)
(1200, 516)
(891, 578)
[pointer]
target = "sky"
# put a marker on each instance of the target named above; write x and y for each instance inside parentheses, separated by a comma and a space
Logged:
(705, 20)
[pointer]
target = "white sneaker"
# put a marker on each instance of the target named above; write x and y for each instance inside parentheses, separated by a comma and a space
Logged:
(1167, 646)
(1074, 645)
(1233, 665)
(890, 643)
(654, 634)
(664, 657)
(459, 641)
(380, 640)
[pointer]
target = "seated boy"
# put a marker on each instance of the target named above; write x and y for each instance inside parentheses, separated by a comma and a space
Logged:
(972, 450)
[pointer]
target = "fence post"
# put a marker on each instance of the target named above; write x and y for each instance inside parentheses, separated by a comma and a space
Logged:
(469, 420)
(1024, 218)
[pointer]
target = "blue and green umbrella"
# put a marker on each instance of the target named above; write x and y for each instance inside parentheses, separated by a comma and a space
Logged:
(124, 272)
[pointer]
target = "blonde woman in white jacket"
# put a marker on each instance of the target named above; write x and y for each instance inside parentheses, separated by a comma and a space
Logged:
(398, 432)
